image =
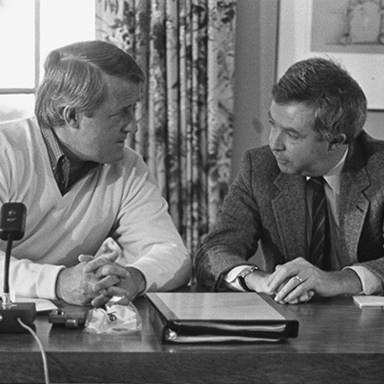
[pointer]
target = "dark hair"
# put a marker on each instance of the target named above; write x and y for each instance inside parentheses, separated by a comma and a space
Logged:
(74, 77)
(339, 103)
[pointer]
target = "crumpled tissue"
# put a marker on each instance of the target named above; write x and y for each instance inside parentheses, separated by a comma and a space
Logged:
(116, 319)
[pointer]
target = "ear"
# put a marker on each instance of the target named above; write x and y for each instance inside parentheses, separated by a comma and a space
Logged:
(337, 141)
(71, 117)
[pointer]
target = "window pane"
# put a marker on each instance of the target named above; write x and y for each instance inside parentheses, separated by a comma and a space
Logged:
(16, 106)
(65, 22)
(17, 64)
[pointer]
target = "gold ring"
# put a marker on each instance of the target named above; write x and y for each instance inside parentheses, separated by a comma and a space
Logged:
(299, 279)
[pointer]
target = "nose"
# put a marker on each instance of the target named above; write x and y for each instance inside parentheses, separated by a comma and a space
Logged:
(276, 140)
(130, 125)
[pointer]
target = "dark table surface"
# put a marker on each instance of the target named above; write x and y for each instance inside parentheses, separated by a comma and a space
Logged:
(337, 343)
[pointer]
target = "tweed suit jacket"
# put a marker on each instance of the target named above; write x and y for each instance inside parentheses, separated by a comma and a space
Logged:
(268, 208)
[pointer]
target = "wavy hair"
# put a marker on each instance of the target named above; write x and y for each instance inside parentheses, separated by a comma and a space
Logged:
(74, 78)
(339, 103)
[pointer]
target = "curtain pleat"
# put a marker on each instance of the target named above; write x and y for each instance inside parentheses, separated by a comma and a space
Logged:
(185, 117)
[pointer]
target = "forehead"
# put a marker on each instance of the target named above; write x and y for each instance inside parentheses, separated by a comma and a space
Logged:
(122, 92)
(297, 116)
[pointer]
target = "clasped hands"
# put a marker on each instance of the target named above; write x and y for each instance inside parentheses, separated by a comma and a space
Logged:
(96, 279)
(298, 281)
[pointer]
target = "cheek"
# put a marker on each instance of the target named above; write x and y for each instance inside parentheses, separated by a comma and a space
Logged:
(300, 153)
(309, 156)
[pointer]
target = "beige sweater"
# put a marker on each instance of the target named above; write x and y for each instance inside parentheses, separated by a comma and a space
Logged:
(119, 200)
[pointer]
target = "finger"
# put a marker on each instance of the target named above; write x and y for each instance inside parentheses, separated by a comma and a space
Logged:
(117, 291)
(103, 249)
(108, 246)
(100, 301)
(298, 295)
(106, 283)
(112, 269)
(289, 291)
(279, 278)
(121, 300)
(305, 297)
(100, 261)
(308, 296)
(85, 258)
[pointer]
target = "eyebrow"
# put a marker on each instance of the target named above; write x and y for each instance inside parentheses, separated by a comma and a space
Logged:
(289, 129)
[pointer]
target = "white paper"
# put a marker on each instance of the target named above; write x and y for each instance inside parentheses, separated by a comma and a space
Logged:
(42, 305)
(369, 301)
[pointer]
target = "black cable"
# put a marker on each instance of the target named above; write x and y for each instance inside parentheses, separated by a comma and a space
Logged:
(7, 262)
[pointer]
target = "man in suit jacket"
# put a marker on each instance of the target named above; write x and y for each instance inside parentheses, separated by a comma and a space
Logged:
(316, 117)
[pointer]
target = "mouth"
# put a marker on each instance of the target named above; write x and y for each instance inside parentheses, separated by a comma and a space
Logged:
(121, 141)
(281, 161)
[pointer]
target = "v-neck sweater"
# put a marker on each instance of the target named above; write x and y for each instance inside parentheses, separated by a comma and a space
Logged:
(119, 200)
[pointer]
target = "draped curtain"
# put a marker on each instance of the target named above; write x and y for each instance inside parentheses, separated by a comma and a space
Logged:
(185, 117)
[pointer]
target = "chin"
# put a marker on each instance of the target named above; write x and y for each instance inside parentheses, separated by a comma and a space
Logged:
(286, 169)
(113, 159)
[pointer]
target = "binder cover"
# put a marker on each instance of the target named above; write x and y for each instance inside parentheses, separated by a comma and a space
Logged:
(201, 317)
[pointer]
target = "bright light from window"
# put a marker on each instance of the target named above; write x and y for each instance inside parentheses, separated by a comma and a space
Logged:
(61, 22)
(64, 22)
(17, 44)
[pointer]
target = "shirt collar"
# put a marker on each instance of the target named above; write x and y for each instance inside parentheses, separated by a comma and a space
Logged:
(54, 149)
(57, 155)
(332, 177)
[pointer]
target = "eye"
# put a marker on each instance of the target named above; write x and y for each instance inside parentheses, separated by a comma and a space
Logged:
(272, 124)
(127, 111)
(293, 136)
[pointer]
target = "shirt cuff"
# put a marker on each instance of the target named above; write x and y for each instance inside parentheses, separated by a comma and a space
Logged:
(46, 281)
(231, 278)
(370, 282)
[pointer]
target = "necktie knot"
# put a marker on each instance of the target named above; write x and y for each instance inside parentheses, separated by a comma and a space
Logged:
(317, 183)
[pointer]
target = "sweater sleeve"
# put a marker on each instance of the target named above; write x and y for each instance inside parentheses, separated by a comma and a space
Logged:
(28, 279)
(147, 234)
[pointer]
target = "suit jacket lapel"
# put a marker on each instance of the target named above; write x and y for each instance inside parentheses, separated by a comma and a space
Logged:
(289, 208)
(354, 204)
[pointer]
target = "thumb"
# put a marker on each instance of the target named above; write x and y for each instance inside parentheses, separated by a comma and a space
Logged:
(85, 258)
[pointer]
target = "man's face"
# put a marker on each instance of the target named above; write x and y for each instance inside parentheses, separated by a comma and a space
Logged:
(297, 147)
(101, 138)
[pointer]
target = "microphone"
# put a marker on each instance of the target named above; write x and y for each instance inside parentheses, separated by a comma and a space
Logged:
(12, 227)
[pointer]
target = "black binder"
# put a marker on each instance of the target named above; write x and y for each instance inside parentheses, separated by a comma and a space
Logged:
(207, 317)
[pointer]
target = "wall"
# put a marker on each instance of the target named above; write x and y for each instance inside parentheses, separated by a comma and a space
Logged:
(256, 38)
(256, 48)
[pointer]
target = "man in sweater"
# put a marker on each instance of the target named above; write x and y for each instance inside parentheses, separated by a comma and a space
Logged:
(96, 225)
(313, 199)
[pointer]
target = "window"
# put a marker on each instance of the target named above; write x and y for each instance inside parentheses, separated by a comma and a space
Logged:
(29, 30)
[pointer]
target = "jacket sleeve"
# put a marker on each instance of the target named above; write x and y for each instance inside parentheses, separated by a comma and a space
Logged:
(234, 237)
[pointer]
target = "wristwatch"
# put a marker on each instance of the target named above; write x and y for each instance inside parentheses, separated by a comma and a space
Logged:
(242, 275)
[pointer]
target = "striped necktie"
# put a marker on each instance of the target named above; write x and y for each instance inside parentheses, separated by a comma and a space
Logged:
(319, 246)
